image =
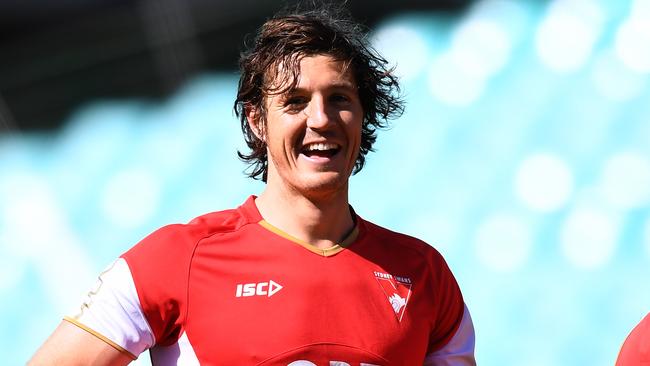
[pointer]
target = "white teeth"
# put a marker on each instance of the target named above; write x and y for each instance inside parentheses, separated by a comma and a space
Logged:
(321, 146)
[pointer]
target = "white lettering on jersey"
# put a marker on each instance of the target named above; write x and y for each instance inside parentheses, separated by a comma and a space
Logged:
(387, 276)
(268, 289)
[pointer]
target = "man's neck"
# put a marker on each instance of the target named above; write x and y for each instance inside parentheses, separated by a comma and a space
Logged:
(322, 222)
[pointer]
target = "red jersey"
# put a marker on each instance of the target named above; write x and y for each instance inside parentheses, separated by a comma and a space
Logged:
(636, 349)
(230, 289)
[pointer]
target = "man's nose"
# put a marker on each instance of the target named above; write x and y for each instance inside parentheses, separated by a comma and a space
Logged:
(318, 114)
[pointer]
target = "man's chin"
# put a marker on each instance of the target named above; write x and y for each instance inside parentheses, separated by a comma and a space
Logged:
(324, 183)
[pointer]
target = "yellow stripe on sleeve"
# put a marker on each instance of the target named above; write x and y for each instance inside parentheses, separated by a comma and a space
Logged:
(100, 336)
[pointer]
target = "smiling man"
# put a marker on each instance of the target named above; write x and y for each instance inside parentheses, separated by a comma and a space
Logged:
(312, 134)
(294, 276)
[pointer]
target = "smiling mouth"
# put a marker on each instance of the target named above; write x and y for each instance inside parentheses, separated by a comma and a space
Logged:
(320, 150)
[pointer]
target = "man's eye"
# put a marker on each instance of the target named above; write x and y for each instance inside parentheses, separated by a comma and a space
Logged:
(339, 98)
(294, 101)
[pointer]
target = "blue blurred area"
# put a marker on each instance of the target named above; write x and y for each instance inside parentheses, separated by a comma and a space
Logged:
(523, 156)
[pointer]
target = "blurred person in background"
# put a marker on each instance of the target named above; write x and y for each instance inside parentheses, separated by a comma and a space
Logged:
(293, 276)
(636, 349)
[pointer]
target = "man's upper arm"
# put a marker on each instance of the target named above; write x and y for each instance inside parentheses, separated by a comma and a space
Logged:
(109, 329)
(71, 345)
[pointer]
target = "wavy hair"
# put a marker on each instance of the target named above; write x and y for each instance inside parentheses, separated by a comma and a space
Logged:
(281, 43)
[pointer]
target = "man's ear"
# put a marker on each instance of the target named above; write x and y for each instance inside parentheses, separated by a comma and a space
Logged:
(253, 116)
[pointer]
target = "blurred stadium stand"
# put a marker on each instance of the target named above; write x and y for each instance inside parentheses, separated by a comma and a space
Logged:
(523, 155)
(58, 55)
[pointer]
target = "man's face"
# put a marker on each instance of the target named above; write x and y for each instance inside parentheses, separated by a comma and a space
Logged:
(313, 132)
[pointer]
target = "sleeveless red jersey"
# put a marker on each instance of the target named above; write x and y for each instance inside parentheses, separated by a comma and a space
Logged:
(230, 289)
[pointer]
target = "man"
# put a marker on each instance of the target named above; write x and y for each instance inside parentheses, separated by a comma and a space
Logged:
(294, 276)
(636, 349)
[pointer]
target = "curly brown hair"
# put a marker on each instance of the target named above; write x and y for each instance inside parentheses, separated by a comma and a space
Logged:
(283, 41)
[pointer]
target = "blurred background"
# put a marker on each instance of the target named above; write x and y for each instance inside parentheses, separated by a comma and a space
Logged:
(523, 155)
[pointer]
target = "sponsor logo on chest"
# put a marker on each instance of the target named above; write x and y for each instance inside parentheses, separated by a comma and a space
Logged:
(397, 290)
(267, 289)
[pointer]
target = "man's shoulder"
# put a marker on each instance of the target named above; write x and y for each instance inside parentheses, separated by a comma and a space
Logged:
(204, 225)
(400, 241)
(218, 221)
(182, 238)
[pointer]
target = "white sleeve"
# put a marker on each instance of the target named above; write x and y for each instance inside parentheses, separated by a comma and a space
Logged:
(112, 312)
(459, 351)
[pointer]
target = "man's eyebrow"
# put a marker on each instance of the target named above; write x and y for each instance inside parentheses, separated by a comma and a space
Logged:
(344, 85)
(335, 85)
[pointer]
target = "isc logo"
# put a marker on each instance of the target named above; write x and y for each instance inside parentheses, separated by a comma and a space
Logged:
(260, 289)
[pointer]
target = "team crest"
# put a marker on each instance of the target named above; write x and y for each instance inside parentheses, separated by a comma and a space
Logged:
(397, 290)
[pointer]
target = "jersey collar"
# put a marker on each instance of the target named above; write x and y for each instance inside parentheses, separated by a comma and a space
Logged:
(251, 209)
